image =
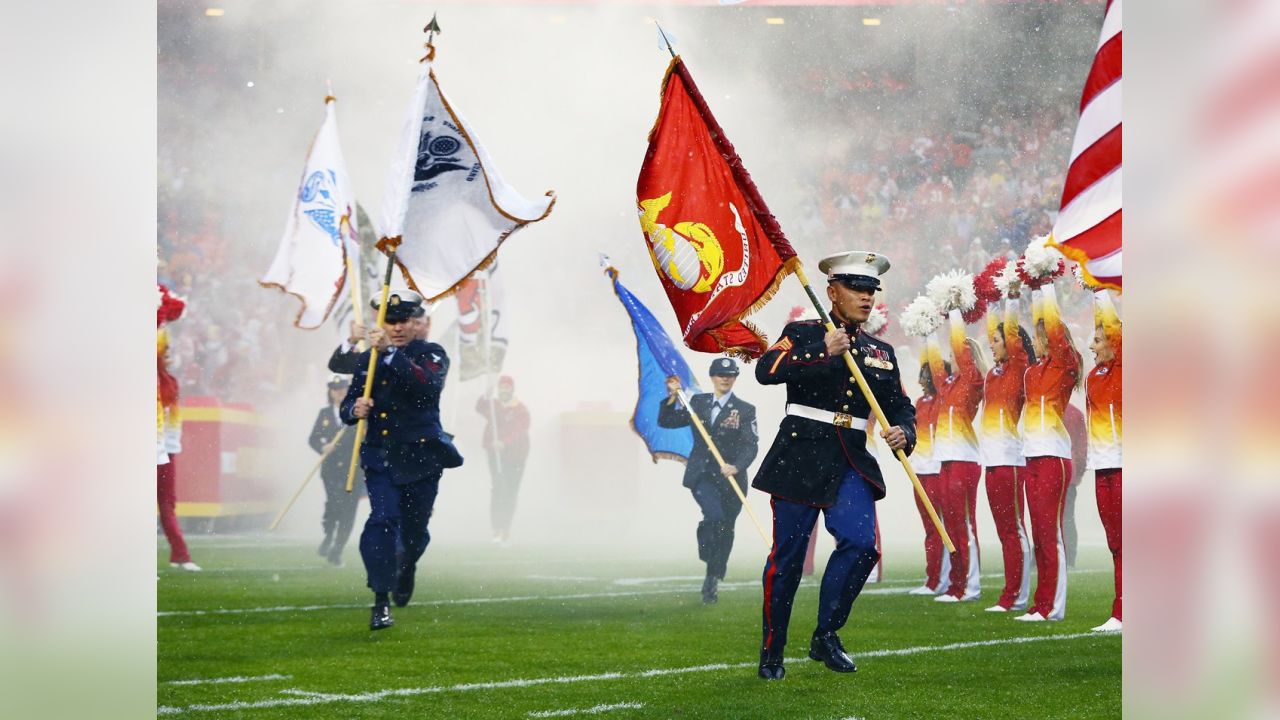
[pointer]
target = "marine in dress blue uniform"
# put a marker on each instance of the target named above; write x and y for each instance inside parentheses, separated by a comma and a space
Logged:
(819, 460)
(404, 453)
(731, 422)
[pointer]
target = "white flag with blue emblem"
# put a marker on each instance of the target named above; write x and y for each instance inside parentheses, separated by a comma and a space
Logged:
(310, 263)
(445, 200)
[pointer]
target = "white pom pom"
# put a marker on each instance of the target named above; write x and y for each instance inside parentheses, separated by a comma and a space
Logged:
(876, 321)
(1007, 278)
(921, 317)
(1040, 260)
(952, 291)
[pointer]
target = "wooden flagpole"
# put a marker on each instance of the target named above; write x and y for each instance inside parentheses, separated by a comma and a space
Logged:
(828, 320)
(319, 461)
(486, 320)
(715, 452)
(392, 243)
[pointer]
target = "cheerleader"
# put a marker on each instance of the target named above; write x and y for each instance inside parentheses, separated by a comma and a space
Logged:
(955, 446)
(1103, 404)
(937, 564)
(1001, 448)
(169, 435)
(1048, 385)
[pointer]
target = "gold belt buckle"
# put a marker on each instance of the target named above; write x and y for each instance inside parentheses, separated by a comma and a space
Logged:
(843, 420)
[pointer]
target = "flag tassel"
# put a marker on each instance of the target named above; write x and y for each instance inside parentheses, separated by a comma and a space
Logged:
(828, 320)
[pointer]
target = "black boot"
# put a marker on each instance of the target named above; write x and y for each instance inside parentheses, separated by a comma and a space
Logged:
(827, 648)
(404, 585)
(380, 619)
(709, 595)
(771, 665)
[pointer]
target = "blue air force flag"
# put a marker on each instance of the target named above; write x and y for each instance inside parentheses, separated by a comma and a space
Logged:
(446, 202)
(658, 360)
(310, 263)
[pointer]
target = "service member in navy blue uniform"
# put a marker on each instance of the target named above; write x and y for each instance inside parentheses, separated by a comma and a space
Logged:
(345, 359)
(404, 453)
(339, 505)
(731, 422)
(819, 460)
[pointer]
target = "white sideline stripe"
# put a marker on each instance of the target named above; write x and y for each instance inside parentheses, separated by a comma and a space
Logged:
(234, 679)
(460, 601)
(317, 698)
(902, 590)
(587, 711)
(647, 580)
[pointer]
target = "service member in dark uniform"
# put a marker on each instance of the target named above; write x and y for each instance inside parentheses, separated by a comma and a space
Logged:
(819, 460)
(339, 505)
(345, 359)
(731, 422)
(404, 453)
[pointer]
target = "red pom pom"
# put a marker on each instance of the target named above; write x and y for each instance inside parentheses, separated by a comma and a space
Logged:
(984, 283)
(170, 307)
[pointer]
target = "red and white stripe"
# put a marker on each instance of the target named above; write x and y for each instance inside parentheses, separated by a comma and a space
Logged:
(1088, 225)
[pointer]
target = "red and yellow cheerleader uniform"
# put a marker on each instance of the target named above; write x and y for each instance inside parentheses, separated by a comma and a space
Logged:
(169, 435)
(1001, 446)
(1103, 400)
(927, 468)
(1047, 447)
(955, 445)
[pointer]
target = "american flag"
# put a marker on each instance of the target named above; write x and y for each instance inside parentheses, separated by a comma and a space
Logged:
(1088, 226)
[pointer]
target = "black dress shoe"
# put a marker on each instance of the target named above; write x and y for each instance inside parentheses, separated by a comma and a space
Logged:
(772, 671)
(709, 595)
(771, 664)
(381, 617)
(827, 648)
(404, 587)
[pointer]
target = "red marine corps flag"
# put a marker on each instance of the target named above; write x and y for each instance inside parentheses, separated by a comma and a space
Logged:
(718, 251)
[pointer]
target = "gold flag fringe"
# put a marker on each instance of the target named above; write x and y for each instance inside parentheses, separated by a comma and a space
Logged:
(1082, 259)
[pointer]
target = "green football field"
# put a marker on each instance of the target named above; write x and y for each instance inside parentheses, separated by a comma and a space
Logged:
(269, 631)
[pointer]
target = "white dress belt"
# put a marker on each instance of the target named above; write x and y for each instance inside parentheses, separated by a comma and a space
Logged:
(831, 418)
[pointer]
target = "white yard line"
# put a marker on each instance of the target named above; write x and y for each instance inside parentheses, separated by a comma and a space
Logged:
(596, 710)
(304, 697)
(648, 580)
(221, 680)
(459, 601)
(897, 590)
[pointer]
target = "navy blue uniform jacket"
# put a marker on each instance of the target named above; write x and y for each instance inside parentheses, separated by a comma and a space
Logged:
(734, 434)
(335, 464)
(809, 457)
(405, 419)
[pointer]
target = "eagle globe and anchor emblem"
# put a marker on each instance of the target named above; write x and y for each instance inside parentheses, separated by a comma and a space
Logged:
(688, 253)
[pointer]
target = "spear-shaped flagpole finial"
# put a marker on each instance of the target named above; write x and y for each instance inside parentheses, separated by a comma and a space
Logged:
(328, 83)
(665, 39)
(431, 29)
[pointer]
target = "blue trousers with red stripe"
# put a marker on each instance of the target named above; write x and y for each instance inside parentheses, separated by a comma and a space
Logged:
(852, 522)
